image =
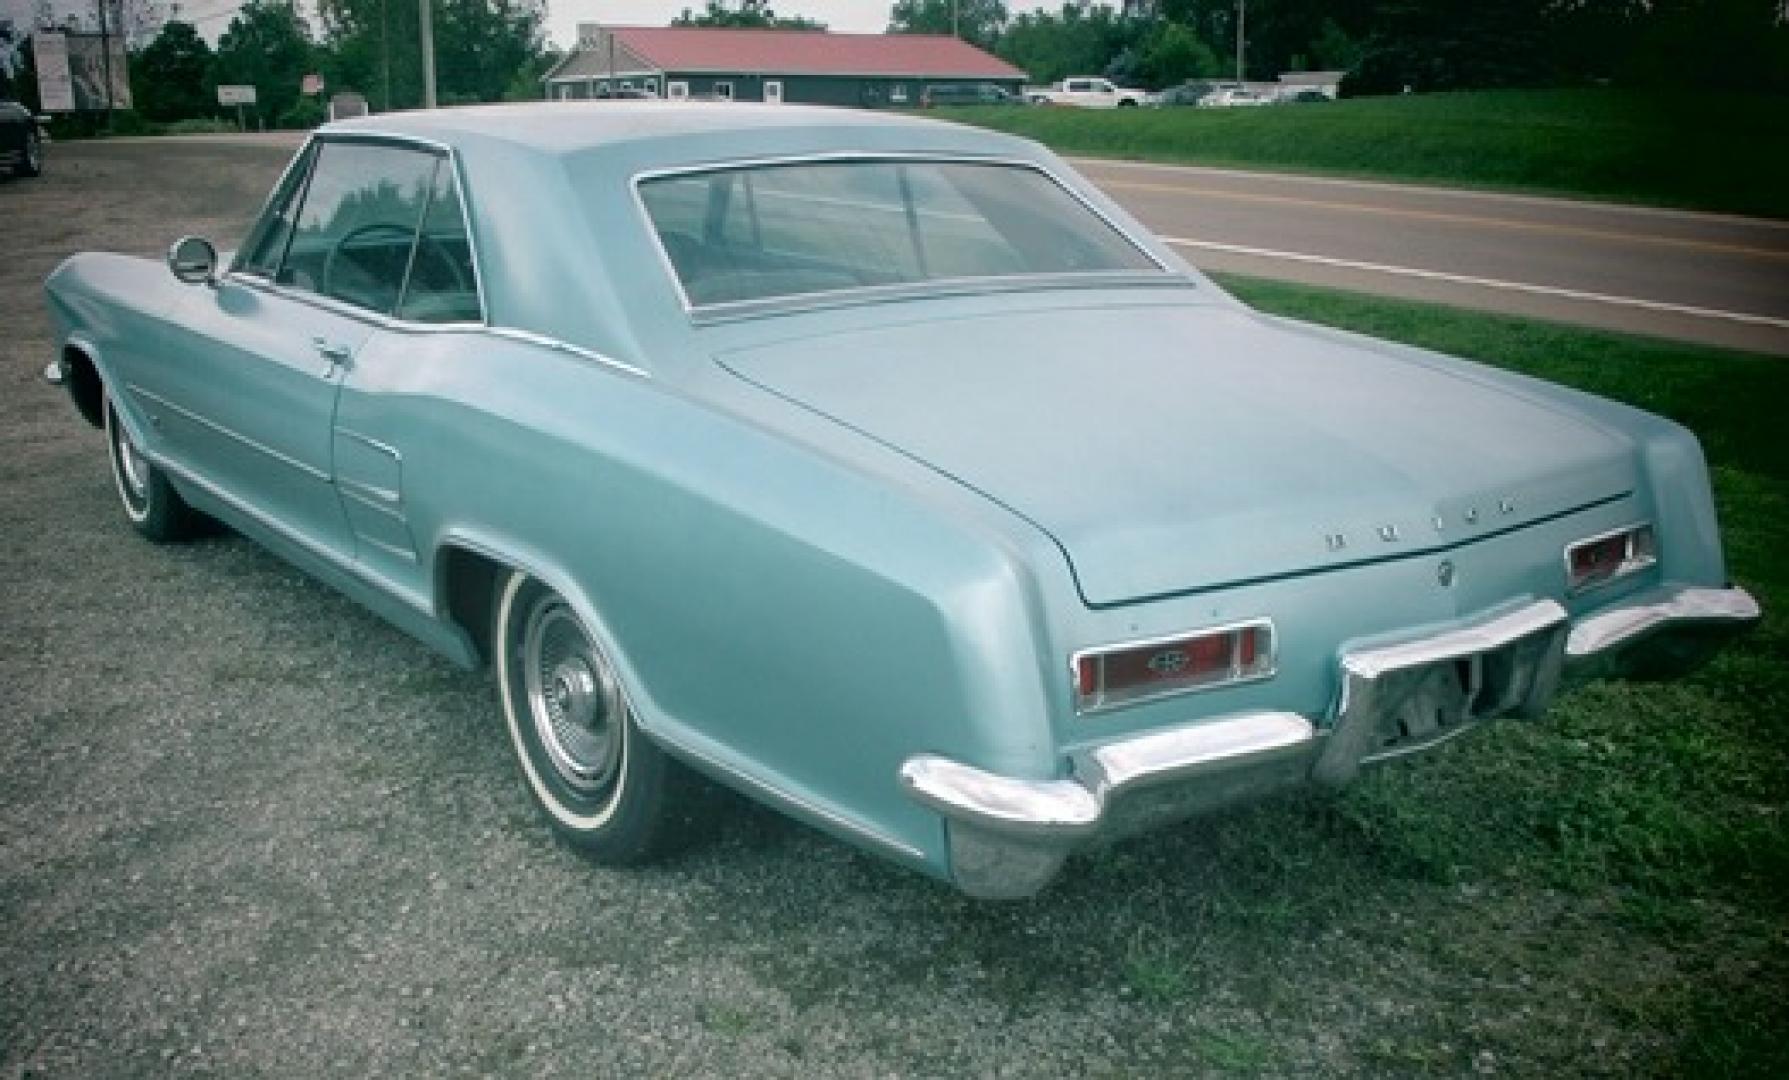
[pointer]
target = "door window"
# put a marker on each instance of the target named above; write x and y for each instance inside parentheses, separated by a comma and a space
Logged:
(357, 227)
(441, 286)
(723, 91)
(262, 251)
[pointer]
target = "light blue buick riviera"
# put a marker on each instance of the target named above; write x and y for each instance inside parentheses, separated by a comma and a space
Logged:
(880, 468)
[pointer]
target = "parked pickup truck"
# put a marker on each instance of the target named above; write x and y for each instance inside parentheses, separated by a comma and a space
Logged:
(1087, 94)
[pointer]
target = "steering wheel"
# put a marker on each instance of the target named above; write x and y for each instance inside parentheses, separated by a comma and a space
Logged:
(396, 232)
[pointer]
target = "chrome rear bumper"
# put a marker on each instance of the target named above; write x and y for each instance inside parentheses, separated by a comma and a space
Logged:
(1008, 837)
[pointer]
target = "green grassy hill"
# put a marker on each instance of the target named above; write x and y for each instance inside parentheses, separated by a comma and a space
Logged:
(1713, 152)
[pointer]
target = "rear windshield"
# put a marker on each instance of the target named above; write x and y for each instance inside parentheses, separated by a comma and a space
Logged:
(764, 231)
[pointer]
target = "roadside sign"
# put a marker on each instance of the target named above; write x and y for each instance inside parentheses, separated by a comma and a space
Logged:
(235, 95)
(346, 105)
(55, 89)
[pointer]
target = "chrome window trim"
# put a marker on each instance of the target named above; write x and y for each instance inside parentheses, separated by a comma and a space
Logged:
(806, 301)
(267, 205)
(1630, 563)
(1075, 658)
(401, 326)
(392, 322)
(432, 146)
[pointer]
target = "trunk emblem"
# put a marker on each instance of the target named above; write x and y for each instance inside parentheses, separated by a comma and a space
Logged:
(1168, 661)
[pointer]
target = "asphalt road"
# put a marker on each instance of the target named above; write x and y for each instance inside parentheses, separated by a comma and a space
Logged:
(1709, 278)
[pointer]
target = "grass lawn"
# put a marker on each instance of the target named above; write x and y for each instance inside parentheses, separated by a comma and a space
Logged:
(1705, 151)
(1603, 891)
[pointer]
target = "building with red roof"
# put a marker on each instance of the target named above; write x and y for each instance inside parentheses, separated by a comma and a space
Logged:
(806, 66)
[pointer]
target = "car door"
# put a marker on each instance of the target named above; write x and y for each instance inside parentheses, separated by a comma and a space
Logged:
(266, 349)
(386, 425)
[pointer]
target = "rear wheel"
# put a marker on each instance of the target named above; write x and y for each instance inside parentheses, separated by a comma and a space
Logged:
(603, 786)
(154, 508)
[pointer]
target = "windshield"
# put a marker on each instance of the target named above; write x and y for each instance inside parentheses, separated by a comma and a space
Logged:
(764, 231)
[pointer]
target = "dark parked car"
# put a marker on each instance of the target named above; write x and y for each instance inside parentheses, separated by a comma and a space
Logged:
(967, 94)
(21, 140)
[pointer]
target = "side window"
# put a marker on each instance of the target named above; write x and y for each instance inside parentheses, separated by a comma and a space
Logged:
(357, 225)
(442, 287)
(266, 243)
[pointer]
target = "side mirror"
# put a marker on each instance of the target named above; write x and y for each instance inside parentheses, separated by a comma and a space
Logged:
(193, 260)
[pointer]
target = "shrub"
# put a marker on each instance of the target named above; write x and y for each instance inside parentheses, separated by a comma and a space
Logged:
(306, 112)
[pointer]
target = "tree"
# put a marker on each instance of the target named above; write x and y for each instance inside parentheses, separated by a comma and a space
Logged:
(1173, 54)
(480, 45)
(268, 45)
(1333, 49)
(1074, 42)
(976, 21)
(167, 78)
(751, 14)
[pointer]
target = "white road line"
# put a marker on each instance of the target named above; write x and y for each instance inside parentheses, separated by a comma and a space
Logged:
(1423, 190)
(1485, 283)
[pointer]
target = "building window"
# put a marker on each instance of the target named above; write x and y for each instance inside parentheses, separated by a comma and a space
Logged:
(652, 87)
(677, 91)
(723, 91)
(773, 91)
(897, 94)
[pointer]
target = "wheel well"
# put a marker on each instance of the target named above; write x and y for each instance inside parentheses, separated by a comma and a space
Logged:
(468, 587)
(84, 385)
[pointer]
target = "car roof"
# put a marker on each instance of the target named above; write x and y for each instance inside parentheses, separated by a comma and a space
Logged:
(559, 128)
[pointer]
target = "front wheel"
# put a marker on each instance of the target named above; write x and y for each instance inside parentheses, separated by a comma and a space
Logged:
(603, 786)
(154, 508)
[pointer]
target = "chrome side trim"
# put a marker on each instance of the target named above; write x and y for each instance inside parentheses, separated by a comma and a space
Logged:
(260, 448)
(1273, 662)
(529, 337)
(385, 448)
(387, 322)
(829, 157)
(379, 500)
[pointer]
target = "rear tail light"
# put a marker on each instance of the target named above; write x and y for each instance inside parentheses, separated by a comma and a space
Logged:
(1598, 559)
(1140, 670)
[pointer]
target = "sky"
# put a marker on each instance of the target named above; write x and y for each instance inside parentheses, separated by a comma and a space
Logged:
(563, 16)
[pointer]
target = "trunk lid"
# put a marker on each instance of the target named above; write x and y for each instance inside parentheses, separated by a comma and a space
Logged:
(1169, 449)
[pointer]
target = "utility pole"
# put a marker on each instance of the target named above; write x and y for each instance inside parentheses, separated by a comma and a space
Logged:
(1241, 18)
(105, 52)
(385, 50)
(428, 55)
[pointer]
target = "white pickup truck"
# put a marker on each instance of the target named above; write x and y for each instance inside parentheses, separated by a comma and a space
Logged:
(1087, 94)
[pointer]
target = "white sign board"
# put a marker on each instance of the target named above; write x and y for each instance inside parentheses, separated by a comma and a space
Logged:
(235, 95)
(55, 90)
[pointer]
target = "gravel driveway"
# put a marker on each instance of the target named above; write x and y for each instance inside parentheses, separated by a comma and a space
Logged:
(246, 828)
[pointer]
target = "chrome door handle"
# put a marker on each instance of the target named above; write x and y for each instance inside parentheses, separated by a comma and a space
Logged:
(334, 355)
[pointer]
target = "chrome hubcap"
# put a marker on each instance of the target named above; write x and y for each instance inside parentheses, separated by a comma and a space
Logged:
(136, 467)
(574, 699)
